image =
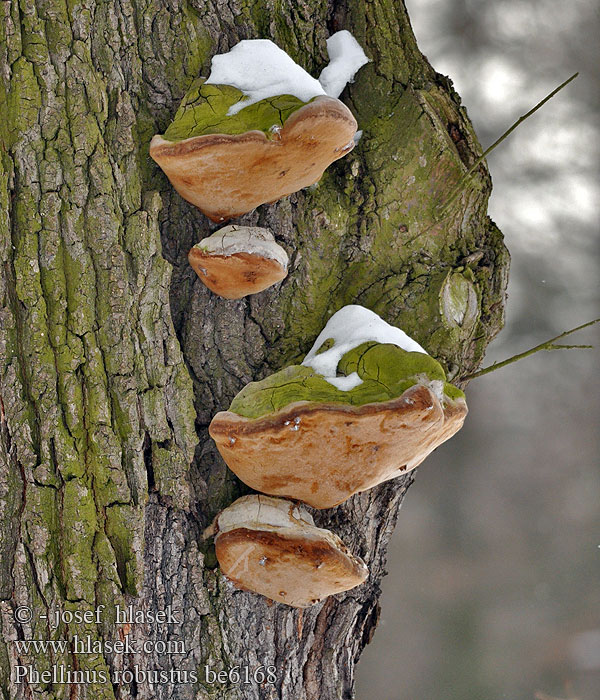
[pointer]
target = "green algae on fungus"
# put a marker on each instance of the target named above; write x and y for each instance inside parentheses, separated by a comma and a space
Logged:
(204, 109)
(386, 371)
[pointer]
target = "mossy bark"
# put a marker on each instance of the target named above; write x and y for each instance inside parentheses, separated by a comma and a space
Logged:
(114, 357)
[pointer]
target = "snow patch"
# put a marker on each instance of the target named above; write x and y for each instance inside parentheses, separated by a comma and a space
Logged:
(346, 57)
(350, 327)
(244, 239)
(345, 383)
(260, 69)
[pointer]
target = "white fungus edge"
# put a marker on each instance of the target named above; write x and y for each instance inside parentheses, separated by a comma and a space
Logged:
(244, 239)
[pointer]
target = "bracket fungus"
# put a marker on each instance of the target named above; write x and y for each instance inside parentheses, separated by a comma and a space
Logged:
(271, 546)
(366, 405)
(239, 260)
(258, 129)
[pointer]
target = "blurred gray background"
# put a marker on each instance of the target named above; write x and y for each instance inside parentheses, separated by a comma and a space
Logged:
(494, 583)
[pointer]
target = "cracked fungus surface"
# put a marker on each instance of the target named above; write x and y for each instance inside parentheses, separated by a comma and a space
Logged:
(204, 111)
(386, 371)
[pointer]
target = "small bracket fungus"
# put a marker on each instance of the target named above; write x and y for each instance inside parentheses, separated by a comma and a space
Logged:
(271, 546)
(258, 129)
(239, 260)
(366, 405)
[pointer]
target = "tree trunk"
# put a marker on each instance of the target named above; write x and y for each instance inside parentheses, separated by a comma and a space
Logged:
(114, 357)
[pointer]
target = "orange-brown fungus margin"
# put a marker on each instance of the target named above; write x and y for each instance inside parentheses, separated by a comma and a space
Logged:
(322, 454)
(295, 570)
(237, 275)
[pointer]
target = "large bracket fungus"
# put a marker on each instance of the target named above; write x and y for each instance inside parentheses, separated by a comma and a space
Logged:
(271, 546)
(366, 405)
(239, 260)
(258, 129)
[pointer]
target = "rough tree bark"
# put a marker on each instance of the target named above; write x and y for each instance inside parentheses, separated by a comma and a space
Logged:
(114, 357)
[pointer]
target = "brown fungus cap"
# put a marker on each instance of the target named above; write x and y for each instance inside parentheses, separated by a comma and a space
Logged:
(239, 260)
(271, 546)
(324, 453)
(226, 176)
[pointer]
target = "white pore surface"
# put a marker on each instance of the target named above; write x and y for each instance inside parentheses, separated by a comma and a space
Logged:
(260, 69)
(346, 57)
(350, 327)
(258, 512)
(244, 239)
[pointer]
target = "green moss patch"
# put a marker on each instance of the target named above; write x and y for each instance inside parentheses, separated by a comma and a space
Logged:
(204, 111)
(386, 371)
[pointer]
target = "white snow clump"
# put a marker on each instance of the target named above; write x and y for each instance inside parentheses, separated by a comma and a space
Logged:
(260, 69)
(346, 57)
(350, 327)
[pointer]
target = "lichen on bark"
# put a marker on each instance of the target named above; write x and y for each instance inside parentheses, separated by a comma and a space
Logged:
(114, 358)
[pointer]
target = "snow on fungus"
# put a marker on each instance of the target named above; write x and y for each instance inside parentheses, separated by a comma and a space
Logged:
(348, 328)
(259, 129)
(239, 260)
(271, 546)
(371, 408)
(260, 69)
(346, 57)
